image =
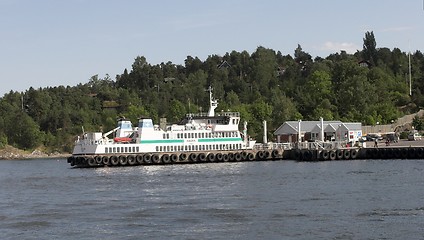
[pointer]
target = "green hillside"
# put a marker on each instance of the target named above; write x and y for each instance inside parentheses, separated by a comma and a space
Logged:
(369, 86)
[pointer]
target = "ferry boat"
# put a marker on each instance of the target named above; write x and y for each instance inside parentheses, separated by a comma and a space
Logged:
(202, 137)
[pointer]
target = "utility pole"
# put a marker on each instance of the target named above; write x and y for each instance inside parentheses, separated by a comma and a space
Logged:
(410, 78)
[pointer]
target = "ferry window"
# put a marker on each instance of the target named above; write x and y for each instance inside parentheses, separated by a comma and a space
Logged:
(106, 150)
(114, 149)
(126, 149)
(137, 149)
(117, 149)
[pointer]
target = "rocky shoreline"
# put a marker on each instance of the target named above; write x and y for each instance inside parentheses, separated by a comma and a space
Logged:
(11, 153)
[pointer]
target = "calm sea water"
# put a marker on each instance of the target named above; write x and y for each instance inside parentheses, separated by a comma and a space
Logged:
(46, 199)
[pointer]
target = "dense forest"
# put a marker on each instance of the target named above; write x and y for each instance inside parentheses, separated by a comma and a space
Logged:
(370, 86)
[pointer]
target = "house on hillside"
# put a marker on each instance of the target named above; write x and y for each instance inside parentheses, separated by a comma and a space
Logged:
(364, 63)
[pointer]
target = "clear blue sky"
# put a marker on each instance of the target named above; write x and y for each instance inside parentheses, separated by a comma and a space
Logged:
(52, 42)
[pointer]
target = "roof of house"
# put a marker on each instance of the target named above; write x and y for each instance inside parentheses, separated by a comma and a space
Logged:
(352, 126)
(291, 127)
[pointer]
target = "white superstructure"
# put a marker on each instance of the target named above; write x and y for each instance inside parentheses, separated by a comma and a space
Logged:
(195, 133)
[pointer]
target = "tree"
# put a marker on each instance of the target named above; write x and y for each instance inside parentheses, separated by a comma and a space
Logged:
(23, 131)
(370, 48)
(418, 123)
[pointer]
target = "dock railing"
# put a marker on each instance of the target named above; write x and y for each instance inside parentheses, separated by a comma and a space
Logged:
(272, 146)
